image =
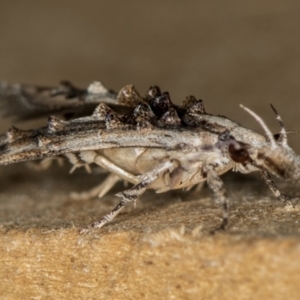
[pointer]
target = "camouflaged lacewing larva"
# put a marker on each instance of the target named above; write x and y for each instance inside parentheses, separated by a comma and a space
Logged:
(147, 141)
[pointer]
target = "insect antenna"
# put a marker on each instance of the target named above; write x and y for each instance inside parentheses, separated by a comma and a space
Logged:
(262, 124)
(292, 132)
(283, 133)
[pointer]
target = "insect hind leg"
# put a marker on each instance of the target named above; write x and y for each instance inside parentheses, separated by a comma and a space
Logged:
(133, 194)
(109, 166)
(100, 190)
(104, 187)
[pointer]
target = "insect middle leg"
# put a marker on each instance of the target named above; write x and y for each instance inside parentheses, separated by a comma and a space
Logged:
(133, 193)
(217, 186)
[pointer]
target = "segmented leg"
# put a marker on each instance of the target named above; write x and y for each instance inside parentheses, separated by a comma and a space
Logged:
(134, 193)
(112, 168)
(270, 183)
(105, 186)
(86, 166)
(100, 190)
(217, 186)
(196, 188)
(45, 163)
(77, 161)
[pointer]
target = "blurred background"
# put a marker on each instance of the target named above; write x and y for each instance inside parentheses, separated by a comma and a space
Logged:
(225, 52)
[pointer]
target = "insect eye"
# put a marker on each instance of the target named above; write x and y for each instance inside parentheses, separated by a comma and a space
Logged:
(277, 136)
(238, 152)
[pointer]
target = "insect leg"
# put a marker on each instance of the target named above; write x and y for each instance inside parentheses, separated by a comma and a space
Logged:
(105, 186)
(109, 166)
(133, 193)
(45, 163)
(196, 188)
(270, 183)
(217, 186)
(100, 190)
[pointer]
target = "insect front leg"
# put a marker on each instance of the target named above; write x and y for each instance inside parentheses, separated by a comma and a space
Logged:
(270, 183)
(134, 193)
(216, 184)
